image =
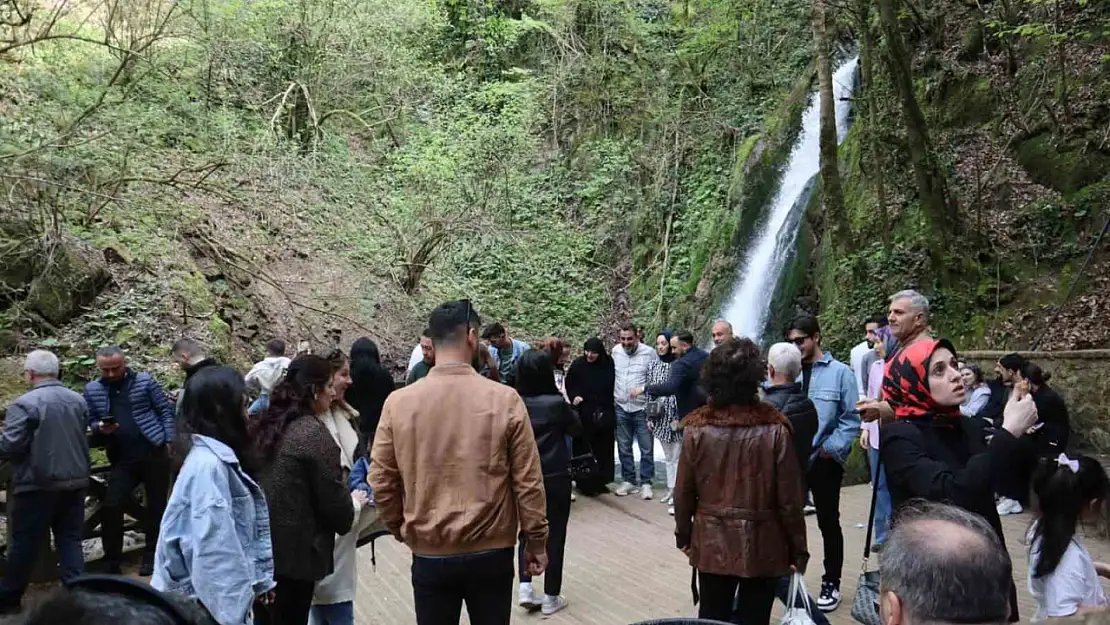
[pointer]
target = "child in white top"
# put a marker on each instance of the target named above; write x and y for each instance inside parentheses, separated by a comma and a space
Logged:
(1063, 578)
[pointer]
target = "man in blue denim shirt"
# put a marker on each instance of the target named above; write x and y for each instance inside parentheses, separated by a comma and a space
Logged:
(832, 387)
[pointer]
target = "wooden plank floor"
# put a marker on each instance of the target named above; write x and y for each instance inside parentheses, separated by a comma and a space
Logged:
(622, 567)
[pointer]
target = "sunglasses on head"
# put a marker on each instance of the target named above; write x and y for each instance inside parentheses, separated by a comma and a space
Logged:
(799, 340)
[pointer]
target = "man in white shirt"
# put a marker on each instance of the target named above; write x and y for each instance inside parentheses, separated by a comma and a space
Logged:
(863, 355)
(630, 361)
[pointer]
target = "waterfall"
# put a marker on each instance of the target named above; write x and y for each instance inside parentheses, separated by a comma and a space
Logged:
(773, 242)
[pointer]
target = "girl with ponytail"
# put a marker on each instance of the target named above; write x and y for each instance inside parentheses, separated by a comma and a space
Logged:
(1063, 578)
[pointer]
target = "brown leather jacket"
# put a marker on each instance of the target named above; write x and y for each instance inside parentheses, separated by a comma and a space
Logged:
(455, 468)
(738, 499)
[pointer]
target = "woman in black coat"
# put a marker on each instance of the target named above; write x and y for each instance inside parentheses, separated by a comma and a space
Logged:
(370, 385)
(552, 419)
(589, 386)
(930, 451)
(1053, 422)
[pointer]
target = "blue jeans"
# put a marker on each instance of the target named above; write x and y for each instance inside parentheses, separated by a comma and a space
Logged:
(629, 425)
(882, 502)
(332, 614)
(33, 515)
(783, 589)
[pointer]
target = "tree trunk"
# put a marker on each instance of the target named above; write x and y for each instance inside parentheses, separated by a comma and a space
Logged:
(830, 174)
(872, 144)
(931, 184)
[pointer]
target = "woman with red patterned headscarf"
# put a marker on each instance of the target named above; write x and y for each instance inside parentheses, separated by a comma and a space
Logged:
(930, 451)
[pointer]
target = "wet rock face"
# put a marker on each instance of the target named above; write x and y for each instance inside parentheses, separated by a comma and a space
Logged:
(52, 277)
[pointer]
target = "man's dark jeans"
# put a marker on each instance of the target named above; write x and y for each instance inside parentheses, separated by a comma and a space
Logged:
(483, 580)
(32, 515)
(152, 470)
(825, 476)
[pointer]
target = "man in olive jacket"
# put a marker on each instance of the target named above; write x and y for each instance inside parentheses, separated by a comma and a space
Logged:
(456, 476)
(44, 438)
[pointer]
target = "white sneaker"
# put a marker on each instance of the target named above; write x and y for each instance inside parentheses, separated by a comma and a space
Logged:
(670, 510)
(809, 509)
(551, 605)
(529, 599)
(625, 489)
(645, 492)
(573, 497)
(829, 599)
(668, 499)
(1008, 506)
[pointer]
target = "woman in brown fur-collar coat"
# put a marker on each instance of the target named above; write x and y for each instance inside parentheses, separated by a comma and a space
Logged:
(738, 500)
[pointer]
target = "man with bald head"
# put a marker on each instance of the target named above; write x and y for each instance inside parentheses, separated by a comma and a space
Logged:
(942, 564)
(722, 331)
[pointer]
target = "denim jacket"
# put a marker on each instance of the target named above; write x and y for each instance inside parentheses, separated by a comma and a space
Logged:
(214, 542)
(833, 389)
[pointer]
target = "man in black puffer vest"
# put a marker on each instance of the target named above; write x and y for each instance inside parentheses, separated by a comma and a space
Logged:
(784, 363)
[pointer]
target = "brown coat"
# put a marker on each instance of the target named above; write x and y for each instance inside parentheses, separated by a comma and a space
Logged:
(308, 499)
(738, 498)
(455, 465)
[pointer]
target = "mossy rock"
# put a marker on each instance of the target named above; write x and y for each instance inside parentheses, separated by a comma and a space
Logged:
(11, 381)
(72, 278)
(18, 252)
(966, 101)
(1062, 167)
(1091, 200)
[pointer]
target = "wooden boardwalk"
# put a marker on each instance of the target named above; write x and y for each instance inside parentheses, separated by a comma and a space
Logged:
(622, 566)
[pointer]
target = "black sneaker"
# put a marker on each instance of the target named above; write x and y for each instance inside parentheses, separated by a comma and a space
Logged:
(829, 599)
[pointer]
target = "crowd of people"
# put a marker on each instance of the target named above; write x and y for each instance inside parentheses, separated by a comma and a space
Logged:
(280, 475)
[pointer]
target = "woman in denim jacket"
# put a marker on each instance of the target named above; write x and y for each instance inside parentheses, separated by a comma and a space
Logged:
(214, 543)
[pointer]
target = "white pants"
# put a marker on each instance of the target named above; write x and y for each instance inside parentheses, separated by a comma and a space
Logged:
(671, 452)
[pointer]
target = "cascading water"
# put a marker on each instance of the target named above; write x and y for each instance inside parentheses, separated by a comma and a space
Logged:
(773, 243)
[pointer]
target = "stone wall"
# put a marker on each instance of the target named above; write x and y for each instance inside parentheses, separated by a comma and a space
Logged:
(1082, 378)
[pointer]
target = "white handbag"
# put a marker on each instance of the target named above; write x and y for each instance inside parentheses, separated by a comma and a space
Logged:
(794, 615)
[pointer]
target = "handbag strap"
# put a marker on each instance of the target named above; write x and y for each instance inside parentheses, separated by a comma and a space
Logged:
(871, 515)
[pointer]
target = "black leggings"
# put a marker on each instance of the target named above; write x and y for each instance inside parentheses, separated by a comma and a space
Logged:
(558, 514)
(754, 597)
(292, 602)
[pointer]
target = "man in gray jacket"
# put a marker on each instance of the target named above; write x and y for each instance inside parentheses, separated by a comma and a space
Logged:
(44, 439)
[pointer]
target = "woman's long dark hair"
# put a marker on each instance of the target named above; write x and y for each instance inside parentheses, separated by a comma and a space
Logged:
(1061, 498)
(294, 397)
(214, 406)
(1035, 374)
(535, 375)
(366, 362)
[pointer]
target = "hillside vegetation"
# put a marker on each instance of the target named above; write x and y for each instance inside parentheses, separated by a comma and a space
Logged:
(324, 169)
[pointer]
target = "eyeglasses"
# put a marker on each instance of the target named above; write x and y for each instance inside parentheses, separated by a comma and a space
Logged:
(799, 340)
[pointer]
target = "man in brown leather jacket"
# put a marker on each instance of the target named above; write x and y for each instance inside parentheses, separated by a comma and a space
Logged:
(456, 476)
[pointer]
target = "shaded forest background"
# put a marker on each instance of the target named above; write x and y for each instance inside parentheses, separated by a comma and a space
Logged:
(324, 169)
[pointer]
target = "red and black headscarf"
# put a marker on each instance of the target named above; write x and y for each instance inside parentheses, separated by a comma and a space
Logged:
(906, 382)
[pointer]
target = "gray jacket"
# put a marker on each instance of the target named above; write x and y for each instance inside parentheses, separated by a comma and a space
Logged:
(44, 437)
